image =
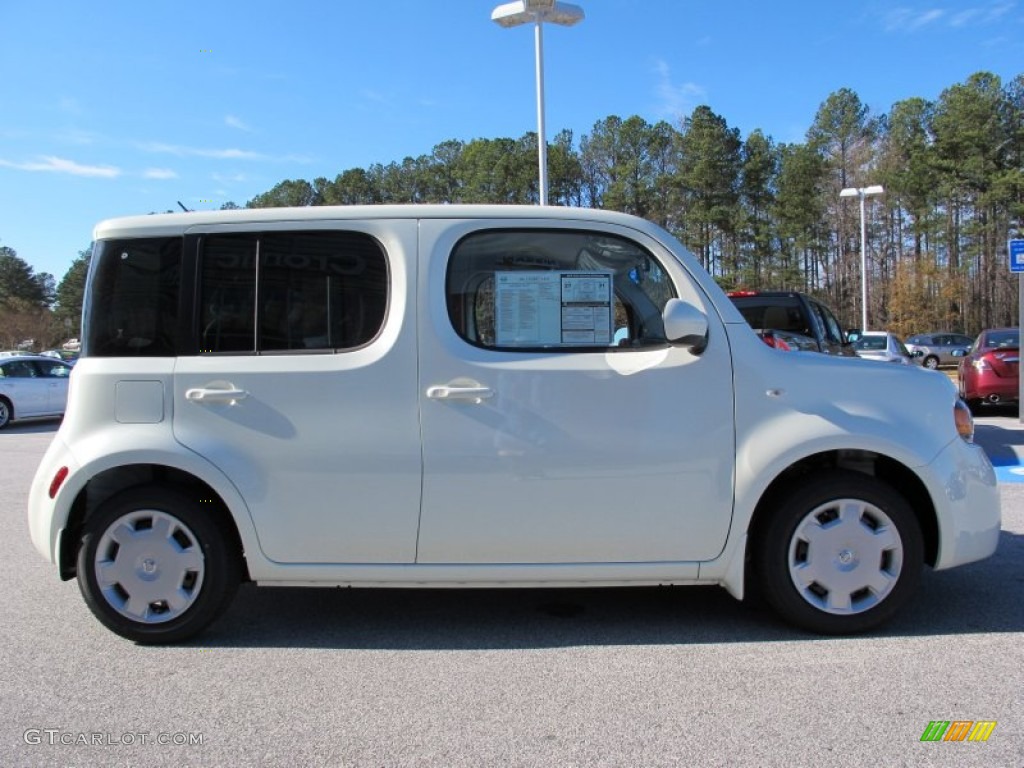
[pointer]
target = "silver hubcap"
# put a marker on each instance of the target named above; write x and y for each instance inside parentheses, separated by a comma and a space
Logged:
(845, 556)
(149, 566)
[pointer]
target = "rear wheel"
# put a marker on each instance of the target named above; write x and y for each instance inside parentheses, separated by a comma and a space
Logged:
(155, 567)
(5, 412)
(841, 555)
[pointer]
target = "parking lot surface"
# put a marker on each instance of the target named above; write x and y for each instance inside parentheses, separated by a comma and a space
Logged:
(602, 677)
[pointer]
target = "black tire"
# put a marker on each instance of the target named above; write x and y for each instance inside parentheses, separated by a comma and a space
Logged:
(6, 412)
(835, 573)
(974, 406)
(931, 362)
(168, 570)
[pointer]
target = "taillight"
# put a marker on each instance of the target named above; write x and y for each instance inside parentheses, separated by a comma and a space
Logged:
(775, 342)
(58, 481)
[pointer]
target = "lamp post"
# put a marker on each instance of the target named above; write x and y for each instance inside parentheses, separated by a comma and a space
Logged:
(863, 192)
(538, 11)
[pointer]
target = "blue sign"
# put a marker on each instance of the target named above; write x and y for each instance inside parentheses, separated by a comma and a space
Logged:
(1016, 250)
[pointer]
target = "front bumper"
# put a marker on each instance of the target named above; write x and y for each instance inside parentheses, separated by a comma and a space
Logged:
(966, 493)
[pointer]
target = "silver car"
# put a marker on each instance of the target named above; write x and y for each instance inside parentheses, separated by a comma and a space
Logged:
(32, 387)
(935, 349)
(883, 346)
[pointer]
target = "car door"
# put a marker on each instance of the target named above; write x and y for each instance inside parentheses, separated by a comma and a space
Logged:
(56, 375)
(303, 388)
(543, 442)
(22, 385)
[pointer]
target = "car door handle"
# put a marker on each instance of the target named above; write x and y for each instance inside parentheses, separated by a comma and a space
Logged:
(229, 395)
(445, 392)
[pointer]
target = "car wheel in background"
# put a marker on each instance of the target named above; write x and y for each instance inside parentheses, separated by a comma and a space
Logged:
(931, 362)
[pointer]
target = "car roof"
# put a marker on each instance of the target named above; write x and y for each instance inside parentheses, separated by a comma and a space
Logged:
(40, 358)
(172, 224)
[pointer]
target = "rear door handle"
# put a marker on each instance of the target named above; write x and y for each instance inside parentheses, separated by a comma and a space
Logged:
(217, 395)
(446, 392)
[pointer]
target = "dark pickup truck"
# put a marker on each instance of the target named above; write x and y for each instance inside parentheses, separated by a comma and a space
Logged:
(790, 320)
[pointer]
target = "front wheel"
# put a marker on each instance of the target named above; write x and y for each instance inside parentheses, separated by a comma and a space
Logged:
(842, 554)
(5, 413)
(155, 567)
(931, 362)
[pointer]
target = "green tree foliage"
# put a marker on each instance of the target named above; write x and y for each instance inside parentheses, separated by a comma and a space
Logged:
(20, 287)
(25, 299)
(708, 182)
(292, 193)
(70, 294)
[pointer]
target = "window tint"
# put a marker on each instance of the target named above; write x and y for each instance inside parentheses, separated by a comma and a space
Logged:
(281, 291)
(53, 370)
(556, 289)
(833, 331)
(131, 303)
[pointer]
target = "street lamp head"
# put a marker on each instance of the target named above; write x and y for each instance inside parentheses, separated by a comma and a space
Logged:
(875, 189)
(527, 11)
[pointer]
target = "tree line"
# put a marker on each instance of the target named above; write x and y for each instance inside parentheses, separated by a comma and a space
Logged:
(762, 214)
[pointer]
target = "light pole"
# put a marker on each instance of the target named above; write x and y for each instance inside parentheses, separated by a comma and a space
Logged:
(863, 192)
(538, 11)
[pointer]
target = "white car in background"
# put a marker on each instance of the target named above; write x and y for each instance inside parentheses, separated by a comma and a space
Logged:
(32, 387)
(884, 347)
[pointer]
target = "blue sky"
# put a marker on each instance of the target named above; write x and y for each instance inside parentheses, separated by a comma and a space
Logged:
(112, 108)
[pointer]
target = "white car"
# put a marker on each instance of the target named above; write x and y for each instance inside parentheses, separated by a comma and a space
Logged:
(32, 387)
(884, 347)
(478, 396)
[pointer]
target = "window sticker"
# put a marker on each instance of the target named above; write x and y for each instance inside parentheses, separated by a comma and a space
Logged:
(553, 308)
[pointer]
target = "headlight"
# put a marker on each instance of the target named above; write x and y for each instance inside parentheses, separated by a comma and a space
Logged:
(964, 420)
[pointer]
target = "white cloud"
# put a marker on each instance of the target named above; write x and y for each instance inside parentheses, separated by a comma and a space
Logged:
(235, 122)
(229, 178)
(904, 19)
(53, 164)
(219, 154)
(76, 136)
(676, 100)
(159, 173)
(909, 19)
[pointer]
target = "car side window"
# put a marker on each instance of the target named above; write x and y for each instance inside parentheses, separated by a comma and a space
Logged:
(833, 331)
(556, 290)
(290, 291)
(131, 305)
(53, 370)
(19, 369)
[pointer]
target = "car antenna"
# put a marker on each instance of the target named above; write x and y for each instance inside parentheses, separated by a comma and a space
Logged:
(186, 210)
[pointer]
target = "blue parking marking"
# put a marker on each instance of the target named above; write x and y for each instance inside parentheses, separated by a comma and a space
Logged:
(1008, 469)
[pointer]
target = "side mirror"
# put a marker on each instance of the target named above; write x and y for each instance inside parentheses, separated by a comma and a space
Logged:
(920, 353)
(959, 353)
(685, 325)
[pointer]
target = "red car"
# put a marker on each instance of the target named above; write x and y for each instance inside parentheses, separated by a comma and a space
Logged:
(989, 372)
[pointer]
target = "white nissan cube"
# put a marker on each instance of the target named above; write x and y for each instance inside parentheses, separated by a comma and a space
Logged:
(478, 396)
